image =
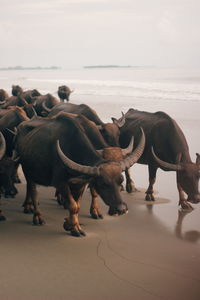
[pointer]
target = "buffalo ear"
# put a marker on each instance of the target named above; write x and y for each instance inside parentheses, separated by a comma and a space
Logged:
(198, 159)
(114, 120)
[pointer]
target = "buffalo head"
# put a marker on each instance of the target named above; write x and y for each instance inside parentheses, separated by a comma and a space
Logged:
(16, 90)
(64, 92)
(111, 131)
(188, 175)
(106, 176)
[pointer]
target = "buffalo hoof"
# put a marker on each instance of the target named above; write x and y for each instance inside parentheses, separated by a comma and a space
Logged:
(66, 225)
(130, 188)
(149, 197)
(186, 205)
(95, 214)
(2, 218)
(77, 233)
(28, 210)
(38, 220)
(74, 230)
(119, 210)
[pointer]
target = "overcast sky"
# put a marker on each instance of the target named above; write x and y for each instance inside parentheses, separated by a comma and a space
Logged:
(72, 33)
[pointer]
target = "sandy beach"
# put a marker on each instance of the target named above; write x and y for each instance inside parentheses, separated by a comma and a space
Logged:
(149, 253)
(153, 252)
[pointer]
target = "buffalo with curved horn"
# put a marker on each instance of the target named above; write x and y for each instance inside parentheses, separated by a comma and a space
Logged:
(69, 170)
(166, 147)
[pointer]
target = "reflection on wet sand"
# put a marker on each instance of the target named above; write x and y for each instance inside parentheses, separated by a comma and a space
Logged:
(192, 236)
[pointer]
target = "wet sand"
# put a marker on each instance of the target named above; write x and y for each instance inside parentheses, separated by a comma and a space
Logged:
(145, 254)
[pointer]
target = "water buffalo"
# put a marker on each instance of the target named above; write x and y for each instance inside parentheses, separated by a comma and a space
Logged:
(3, 96)
(59, 154)
(64, 92)
(107, 152)
(16, 90)
(166, 148)
(27, 95)
(43, 103)
(30, 94)
(7, 174)
(8, 123)
(14, 101)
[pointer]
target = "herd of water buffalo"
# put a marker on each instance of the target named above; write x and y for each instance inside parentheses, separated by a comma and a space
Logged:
(69, 147)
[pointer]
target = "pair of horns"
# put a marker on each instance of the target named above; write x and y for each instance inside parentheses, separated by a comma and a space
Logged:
(127, 162)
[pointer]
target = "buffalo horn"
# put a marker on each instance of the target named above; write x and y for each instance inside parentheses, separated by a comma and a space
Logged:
(87, 170)
(129, 149)
(164, 164)
(45, 107)
(135, 155)
(121, 121)
(2, 145)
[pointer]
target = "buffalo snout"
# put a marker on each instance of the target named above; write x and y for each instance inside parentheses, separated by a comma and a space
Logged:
(194, 199)
(118, 209)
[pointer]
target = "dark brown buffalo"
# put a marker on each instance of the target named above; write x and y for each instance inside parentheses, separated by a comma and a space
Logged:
(28, 108)
(16, 90)
(30, 94)
(14, 101)
(14, 116)
(92, 132)
(59, 154)
(107, 152)
(110, 131)
(7, 174)
(64, 93)
(3, 96)
(43, 103)
(27, 95)
(8, 123)
(166, 148)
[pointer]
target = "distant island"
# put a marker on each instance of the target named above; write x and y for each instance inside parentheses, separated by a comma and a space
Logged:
(107, 66)
(117, 66)
(29, 68)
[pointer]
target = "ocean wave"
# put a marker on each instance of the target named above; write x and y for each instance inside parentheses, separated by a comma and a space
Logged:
(156, 90)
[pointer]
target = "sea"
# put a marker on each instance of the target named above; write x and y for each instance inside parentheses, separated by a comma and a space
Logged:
(111, 91)
(173, 90)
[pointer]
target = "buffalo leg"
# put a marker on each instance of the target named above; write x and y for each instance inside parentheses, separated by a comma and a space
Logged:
(152, 180)
(182, 201)
(28, 204)
(72, 222)
(130, 186)
(59, 197)
(32, 193)
(94, 207)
